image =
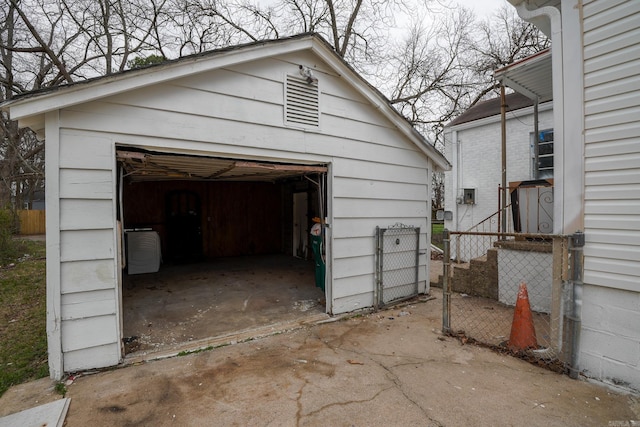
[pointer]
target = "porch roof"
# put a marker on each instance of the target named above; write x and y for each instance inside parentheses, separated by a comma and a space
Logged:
(530, 76)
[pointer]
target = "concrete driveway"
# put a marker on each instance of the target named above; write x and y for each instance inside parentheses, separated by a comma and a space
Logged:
(391, 368)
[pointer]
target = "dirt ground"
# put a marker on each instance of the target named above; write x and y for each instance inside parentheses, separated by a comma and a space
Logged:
(379, 369)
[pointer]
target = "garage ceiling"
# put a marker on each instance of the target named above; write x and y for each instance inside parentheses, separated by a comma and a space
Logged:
(146, 166)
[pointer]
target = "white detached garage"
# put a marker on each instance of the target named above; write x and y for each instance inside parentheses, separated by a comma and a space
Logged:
(246, 133)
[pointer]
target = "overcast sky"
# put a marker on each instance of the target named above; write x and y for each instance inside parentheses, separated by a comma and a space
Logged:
(483, 8)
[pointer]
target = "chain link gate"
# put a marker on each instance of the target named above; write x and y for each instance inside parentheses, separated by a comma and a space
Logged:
(488, 276)
(397, 262)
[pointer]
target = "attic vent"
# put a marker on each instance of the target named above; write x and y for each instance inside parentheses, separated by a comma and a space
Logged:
(301, 103)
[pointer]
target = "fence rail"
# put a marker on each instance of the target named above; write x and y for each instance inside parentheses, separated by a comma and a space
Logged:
(484, 275)
(32, 222)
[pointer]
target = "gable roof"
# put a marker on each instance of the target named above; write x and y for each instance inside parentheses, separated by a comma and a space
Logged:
(491, 107)
(30, 108)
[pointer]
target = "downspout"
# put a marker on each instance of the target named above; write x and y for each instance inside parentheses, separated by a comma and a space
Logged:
(576, 245)
(558, 101)
(503, 139)
(577, 239)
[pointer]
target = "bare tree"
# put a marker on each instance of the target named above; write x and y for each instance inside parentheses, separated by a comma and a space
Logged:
(441, 66)
(200, 25)
(47, 43)
(433, 80)
(356, 29)
(112, 31)
(444, 69)
(21, 154)
(501, 40)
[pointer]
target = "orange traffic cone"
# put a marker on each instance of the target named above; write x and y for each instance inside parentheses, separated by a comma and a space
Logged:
(523, 334)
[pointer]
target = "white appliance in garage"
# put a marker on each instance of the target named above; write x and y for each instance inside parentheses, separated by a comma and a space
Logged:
(143, 251)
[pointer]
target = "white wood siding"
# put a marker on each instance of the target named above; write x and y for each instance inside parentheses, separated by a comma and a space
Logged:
(379, 177)
(612, 143)
(88, 285)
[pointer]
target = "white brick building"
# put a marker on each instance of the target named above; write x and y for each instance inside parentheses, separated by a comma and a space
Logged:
(472, 145)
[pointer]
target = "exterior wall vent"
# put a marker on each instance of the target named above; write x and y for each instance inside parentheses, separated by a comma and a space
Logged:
(301, 103)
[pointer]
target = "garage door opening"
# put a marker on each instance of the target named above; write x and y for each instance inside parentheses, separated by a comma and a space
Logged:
(214, 247)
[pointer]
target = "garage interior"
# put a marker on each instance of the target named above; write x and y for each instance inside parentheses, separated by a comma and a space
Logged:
(215, 247)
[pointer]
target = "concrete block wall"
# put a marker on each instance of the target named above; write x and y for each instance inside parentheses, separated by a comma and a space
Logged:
(532, 268)
(480, 162)
(478, 277)
(610, 336)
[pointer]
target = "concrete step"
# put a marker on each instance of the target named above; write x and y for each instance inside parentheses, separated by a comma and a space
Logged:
(478, 277)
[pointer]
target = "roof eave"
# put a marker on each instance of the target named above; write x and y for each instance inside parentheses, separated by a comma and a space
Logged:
(531, 76)
(495, 118)
(111, 85)
(30, 111)
(382, 104)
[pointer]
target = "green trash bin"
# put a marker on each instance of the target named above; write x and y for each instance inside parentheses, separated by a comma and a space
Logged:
(316, 245)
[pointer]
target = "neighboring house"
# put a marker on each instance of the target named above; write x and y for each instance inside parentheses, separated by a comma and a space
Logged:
(473, 146)
(239, 114)
(37, 202)
(595, 62)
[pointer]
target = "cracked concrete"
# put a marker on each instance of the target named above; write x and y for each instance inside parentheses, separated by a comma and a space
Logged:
(378, 369)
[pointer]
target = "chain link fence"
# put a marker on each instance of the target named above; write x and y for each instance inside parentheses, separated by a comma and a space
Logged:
(512, 292)
(397, 260)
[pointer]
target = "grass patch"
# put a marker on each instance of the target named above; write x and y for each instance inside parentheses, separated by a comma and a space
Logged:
(61, 389)
(436, 234)
(437, 228)
(23, 347)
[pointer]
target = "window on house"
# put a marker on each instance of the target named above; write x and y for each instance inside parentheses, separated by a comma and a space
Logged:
(543, 155)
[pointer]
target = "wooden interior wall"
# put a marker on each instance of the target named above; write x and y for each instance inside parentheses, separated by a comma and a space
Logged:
(238, 218)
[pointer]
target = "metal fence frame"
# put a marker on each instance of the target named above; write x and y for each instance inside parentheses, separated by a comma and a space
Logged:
(563, 320)
(406, 258)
